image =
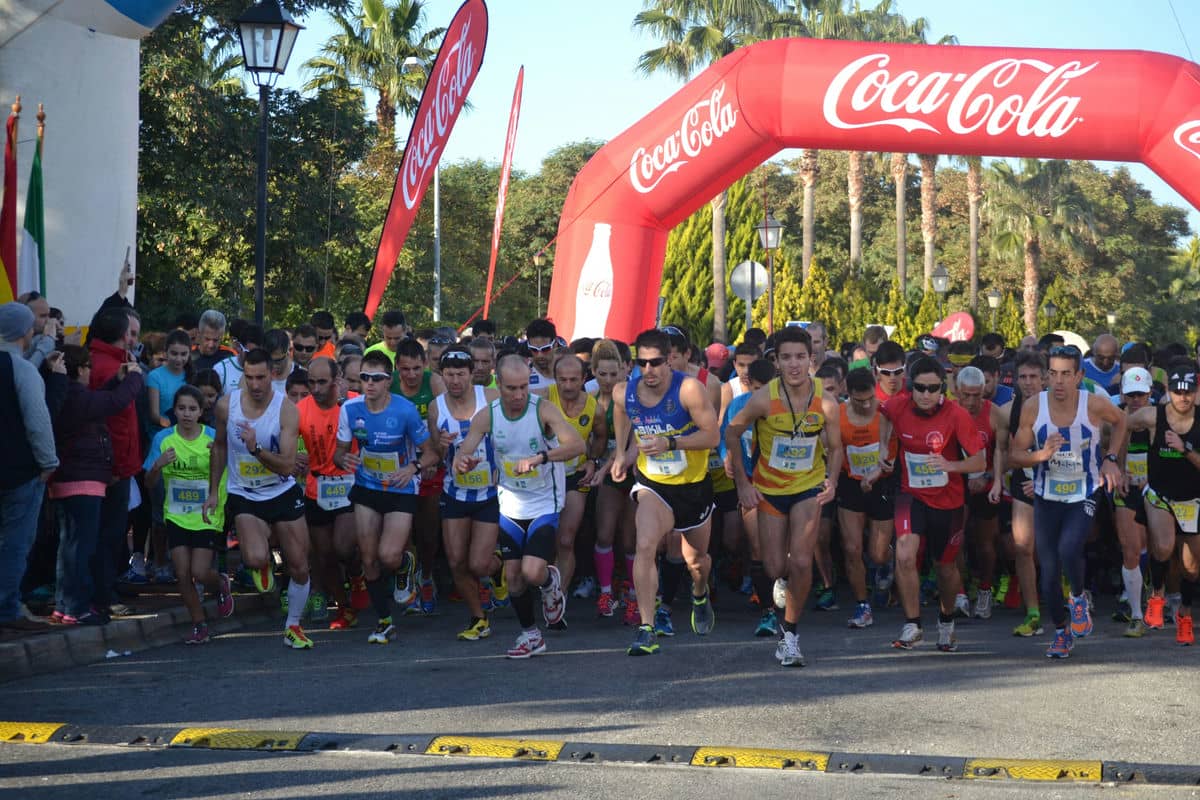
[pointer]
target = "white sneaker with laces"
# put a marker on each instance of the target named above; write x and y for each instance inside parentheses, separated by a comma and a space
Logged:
(962, 605)
(779, 593)
(585, 589)
(792, 656)
(554, 602)
(946, 641)
(910, 636)
(528, 644)
(983, 604)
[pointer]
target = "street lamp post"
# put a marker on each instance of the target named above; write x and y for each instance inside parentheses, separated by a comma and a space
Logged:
(769, 233)
(941, 284)
(267, 34)
(1050, 310)
(993, 300)
(414, 64)
(539, 258)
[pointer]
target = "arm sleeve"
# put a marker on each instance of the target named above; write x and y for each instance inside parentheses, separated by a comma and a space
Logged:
(31, 395)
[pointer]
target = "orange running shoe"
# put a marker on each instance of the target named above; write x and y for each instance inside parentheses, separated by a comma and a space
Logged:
(1184, 636)
(345, 620)
(1155, 605)
(632, 615)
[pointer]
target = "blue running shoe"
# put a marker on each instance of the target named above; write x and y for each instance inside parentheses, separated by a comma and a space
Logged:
(768, 625)
(662, 622)
(1062, 644)
(1081, 617)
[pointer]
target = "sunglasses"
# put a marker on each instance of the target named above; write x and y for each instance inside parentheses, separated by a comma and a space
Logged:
(441, 340)
(891, 373)
(374, 377)
(927, 388)
(650, 362)
(455, 356)
(304, 348)
(541, 349)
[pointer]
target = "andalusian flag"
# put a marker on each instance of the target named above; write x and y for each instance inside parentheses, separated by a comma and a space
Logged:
(8, 216)
(31, 265)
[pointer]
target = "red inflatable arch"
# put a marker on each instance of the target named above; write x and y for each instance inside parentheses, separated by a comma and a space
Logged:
(1112, 105)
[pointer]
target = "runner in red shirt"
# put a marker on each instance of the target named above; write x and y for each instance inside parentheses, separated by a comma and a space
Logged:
(327, 497)
(931, 433)
(983, 488)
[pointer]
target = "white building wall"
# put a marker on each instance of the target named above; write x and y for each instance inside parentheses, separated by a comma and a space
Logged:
(88, 82)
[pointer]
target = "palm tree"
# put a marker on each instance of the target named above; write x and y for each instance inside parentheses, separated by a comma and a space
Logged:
(878, 24)
(369, 52)
(928, 163)
(900, 179)
(694, 34)
(1040, 203)
(974, 196)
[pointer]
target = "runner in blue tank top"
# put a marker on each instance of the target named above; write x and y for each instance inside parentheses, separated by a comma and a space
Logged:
(469, 509)
(1064, 424)
(675, 425)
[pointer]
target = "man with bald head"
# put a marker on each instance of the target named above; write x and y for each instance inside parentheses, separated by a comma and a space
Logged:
(1101, 366)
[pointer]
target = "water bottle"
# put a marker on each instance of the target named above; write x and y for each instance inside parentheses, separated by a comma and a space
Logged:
(593, 298)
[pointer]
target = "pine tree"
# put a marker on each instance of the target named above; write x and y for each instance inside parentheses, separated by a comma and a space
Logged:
(1010, 322)
(1064, 318)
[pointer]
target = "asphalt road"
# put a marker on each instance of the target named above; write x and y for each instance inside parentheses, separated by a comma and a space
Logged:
(998, 696)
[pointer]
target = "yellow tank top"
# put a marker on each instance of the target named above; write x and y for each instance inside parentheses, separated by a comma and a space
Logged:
(792, 456)
(582, 424)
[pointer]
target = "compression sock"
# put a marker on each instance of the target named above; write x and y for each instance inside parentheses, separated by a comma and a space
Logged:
(672, 576)
(1158, 574)
(380, 599)
(1187, 590)
(1132, 578)
(604, 560)
(523, 604)
(764, 587)
(629, 577)
(297, 594)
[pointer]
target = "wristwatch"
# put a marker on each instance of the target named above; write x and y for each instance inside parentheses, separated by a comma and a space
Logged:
(257, 449)
(670, 442)
(1110, 457)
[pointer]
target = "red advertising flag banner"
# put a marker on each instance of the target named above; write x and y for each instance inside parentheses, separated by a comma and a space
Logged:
(514, 116)
(1111, 105)
(454, 72)
(958, 327)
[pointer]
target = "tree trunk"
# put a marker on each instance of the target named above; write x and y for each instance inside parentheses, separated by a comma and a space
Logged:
(900, 178)
(718, 267)
(385, 118)
(974, 195)
(808, 177)
(1033, 263)
(854, 193)
(928, 212)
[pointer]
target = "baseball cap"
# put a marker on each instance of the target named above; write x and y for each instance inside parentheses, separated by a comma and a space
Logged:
(717, 354)
(1135, 380)
(1182, 379)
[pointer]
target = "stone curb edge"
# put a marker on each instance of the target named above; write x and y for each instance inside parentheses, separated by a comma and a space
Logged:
(562, 751)
(77, 645)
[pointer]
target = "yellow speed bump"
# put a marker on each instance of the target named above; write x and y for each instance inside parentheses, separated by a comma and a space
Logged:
(28, 732)
(484, 747)
(235, 739)
(759, 758)
(1033, 769)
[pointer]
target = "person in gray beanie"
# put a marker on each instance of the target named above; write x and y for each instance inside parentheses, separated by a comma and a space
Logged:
(29, 461)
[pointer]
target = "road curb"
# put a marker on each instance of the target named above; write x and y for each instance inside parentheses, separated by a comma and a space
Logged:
(77, 645)
(561, 751)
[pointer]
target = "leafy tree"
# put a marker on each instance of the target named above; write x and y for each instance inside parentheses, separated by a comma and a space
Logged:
(695, 33)
(1039, 203)
(369, 51)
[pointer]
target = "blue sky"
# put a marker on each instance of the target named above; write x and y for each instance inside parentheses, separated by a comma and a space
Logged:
(580, 61)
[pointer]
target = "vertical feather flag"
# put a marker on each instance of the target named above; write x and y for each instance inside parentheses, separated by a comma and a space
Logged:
(514, 116)
(31, 263)
(8, 211)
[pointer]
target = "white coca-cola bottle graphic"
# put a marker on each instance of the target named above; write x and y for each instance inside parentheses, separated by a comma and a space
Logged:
(593, 298)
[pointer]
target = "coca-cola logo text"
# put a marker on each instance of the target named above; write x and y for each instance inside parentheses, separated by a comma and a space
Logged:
(453, 74)
(599, 290)
(1187, 136)
(701, 125)
(866, 94)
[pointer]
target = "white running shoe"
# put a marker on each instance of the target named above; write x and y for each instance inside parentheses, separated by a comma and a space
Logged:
(983, 604)
(585, 588)
(962, 606)
(910, 636)
(779, 593)
(792, 656)
(946, 641)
